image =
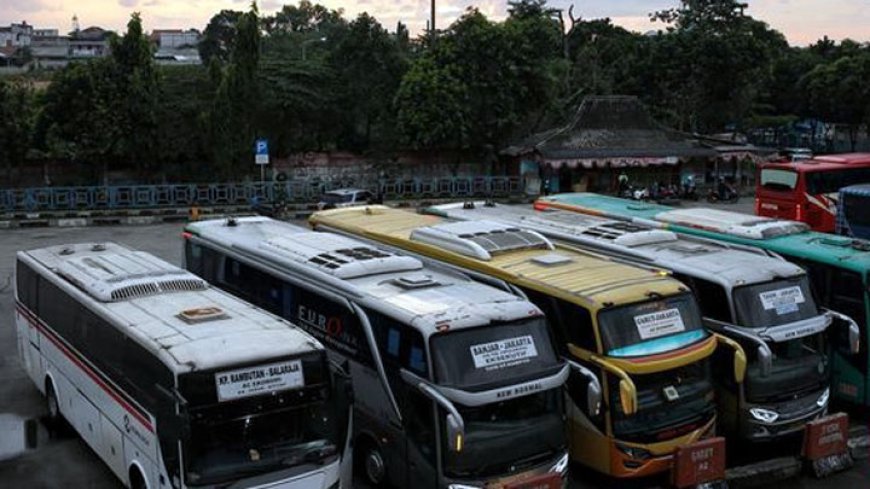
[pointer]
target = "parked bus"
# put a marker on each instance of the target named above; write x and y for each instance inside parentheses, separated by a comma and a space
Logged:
(837, 266)
(760, 302)
(807, 190)
(637, 328)
(853, 211)
(457, 384)
(173, 383)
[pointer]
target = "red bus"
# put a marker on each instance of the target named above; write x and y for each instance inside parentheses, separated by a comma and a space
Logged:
(806, 190)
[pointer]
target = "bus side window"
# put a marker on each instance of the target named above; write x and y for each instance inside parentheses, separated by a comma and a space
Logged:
(27, 282)
(58, 310)
(548, 305)
(578, 325)
(848, 296)
(202, 261)
(711, 297)
(399, 345)
(256, 286)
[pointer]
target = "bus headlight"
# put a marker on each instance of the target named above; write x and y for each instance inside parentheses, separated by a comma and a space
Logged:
(764, 415)
(462, 486)
(561, 466)
(822, 401)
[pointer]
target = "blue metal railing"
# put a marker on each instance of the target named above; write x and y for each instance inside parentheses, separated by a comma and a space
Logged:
(121, 197)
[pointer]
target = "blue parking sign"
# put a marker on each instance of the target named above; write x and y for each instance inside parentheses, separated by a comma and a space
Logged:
(262, 147)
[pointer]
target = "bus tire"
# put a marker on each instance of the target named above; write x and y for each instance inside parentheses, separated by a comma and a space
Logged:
(137, 480)
(55, 419)
(372, 464)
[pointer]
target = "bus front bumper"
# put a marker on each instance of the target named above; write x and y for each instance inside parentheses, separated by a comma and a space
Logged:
(772, 421)
(629, 461)
(552, 474)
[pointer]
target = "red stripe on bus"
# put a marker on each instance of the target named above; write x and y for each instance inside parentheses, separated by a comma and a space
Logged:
(74, 357)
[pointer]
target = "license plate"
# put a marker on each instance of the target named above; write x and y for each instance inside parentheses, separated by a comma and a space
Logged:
(543, 481)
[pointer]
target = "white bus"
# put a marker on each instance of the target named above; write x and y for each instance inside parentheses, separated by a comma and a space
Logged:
(173, 383)
(457, 383)
(759, 301)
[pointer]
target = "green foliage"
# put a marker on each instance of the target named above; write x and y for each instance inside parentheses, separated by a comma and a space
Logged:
(837, 91)
(480, 82)
(16, 122)
(369, 63)
(77, 121)
(219, 36)
(233, 124)
(712, 62)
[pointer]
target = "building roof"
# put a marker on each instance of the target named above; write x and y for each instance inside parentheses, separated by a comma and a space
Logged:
(610, 127)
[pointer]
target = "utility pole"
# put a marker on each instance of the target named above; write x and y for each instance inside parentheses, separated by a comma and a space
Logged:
(432, 22)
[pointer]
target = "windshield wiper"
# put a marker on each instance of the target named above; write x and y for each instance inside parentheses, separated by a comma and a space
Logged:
(310, 454)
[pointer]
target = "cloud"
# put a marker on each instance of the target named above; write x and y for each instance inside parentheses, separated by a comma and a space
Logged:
(26, 6)
(269, 5)
(152, 3)
(128, 3)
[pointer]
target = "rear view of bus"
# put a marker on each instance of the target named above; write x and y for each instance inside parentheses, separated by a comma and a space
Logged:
(638, 329)
(807, 191)
(457, 384)
(173, 383)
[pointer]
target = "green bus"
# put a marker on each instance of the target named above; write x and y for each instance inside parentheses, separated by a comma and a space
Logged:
(838, 266)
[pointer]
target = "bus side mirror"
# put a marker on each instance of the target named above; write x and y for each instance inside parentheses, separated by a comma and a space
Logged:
(854, 337)
(627, 397)
(593, 388)
(455, 433)
(765, 360)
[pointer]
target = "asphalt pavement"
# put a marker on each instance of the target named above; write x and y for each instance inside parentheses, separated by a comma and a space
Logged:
(33, 458)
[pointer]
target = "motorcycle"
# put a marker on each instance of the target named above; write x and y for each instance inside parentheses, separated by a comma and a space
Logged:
(635, 193)
(727, 195)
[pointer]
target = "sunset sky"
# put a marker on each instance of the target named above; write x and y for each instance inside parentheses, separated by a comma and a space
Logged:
(802, 21)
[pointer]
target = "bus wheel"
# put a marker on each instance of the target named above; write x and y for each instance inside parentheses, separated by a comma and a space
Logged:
(373, 465)
(137, 481)
(55, 418)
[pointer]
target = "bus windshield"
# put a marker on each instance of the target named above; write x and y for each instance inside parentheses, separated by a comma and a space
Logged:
(499, 354)
(649, 328)
(507, 436)
(670, 404)
(253, 435)
(774, 303)
(799, 367)
(776, 179)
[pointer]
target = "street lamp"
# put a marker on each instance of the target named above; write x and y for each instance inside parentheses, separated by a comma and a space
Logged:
(306, 43)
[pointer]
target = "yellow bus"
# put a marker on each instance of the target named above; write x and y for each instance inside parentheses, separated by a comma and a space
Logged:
(637, 328)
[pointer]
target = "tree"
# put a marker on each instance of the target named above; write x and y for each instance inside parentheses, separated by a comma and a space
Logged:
(219, 36)
(837, 92)
(370, 66)
(711, 63)
(137, 88)
(235, 107)
(77, 121)
(16, 123)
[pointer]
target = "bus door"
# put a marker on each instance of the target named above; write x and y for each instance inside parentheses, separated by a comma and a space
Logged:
(402, 347)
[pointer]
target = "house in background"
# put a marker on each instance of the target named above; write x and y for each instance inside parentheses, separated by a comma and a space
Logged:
(607, 136)
(175, 46)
